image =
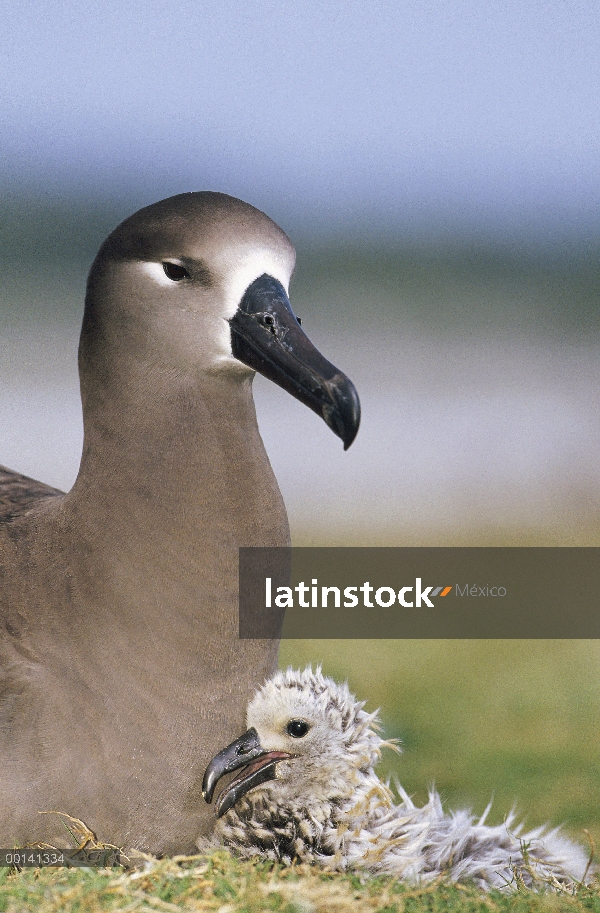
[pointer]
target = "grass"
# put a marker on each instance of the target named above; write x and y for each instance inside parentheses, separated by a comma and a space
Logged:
(221, 883)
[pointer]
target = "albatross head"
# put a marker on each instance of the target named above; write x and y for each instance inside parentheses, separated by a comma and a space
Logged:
(308, 734)
(197, 286)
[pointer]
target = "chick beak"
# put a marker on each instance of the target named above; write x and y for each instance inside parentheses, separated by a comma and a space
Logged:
(256, 766)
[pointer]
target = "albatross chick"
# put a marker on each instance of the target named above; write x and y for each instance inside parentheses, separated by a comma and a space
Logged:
(306, 790)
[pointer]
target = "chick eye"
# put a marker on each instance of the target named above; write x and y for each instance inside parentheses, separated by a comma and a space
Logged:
(175, 272)
(297, 728)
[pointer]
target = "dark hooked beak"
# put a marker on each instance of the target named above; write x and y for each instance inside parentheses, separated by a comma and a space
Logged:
(266, 336)
(258, 766)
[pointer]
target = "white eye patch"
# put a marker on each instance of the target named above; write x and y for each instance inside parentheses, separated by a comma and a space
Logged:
(157, 273)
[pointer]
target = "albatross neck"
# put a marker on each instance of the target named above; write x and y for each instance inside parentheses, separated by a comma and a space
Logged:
(182, 457)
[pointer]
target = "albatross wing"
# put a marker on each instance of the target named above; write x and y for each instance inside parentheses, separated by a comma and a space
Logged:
(18, 493)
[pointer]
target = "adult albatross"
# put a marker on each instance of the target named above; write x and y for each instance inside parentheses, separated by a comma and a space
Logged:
(306, 790)
(120, 662)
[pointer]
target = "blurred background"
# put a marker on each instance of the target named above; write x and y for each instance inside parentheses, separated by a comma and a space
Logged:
(436, 165)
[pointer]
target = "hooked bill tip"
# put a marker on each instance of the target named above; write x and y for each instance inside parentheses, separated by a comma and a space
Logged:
(342, 414)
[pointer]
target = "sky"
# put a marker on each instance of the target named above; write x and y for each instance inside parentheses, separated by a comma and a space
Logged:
(425, 115)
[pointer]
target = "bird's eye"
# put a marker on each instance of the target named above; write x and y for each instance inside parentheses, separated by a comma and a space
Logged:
(299, 319)
(175, 272)
(297, 728)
